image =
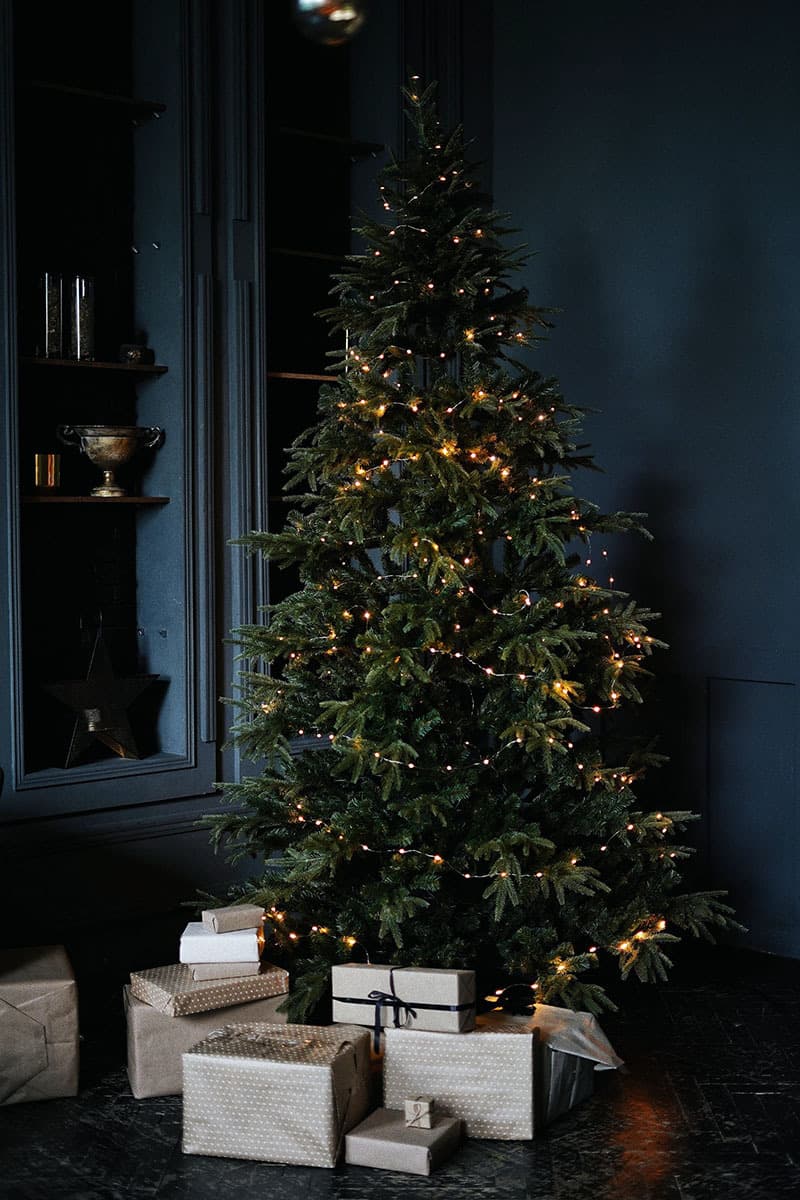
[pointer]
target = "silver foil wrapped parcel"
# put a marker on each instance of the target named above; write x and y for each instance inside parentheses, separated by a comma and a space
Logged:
(275, 1093)
(38, 1025)
(407, 997)
(174, 991)
(507, 1078)
(157, 1042)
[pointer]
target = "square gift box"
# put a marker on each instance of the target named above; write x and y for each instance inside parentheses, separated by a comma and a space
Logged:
(200, 944)
(508, 1077)
(411, 997)
(420, 1112)
(385, 1140)
(38, 1025)
(157, 1042)
(275, 1093)
(174, 991)
(233, 917)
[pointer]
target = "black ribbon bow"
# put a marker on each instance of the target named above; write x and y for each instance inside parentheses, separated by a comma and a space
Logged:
(390, 1000)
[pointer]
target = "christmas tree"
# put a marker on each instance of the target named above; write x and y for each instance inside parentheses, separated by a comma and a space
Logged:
(434, 708)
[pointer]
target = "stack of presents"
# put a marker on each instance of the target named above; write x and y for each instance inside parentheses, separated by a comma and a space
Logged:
(255, 1087)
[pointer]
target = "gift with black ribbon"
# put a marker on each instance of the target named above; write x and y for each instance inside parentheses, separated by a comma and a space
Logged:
(442, 1000)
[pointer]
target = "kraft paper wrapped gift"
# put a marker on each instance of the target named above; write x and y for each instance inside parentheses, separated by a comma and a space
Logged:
(156, 1042)
(384, 1140)
(199, 944)
(173, 991)
(420, 1112)
(235, 916)
(38, 1025)
(411, 997)
(276, 1093)
(508, 1078)
(224, 970)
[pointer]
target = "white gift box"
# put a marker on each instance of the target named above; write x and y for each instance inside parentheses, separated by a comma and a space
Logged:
(200, 944)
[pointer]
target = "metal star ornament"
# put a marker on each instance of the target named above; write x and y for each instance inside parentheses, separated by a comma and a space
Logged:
(101, 702)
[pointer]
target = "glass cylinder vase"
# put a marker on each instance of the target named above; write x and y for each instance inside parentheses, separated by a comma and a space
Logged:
(81, 305)
(52, 302)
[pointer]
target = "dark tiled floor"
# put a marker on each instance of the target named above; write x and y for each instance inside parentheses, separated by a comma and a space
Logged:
(709, 1110)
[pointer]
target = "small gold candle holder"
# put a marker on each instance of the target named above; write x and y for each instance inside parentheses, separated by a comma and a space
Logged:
(46, 472)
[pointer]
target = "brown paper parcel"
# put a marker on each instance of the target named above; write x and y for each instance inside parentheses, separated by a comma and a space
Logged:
(508, 1077)
(156, 1042)
(224, 970)
(384, 1140)
(173, 991)
(38, 1025)
(235, 916)
(276, 1093)
(442, 1000)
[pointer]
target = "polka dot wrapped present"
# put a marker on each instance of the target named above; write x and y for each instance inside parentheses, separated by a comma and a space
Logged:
(507, 1078)
(275, 1093)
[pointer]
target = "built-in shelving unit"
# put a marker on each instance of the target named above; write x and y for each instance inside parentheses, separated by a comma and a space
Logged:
(94, 197)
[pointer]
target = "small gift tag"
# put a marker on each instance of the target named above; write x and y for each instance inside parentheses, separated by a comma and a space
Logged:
(419, 1112)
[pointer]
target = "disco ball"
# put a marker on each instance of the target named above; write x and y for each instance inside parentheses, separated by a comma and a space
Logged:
(329, 22)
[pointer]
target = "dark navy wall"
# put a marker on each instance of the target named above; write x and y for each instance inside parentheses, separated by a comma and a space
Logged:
(650, 154)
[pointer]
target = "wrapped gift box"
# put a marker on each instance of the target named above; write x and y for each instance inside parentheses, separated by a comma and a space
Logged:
(235, 916)
(507, 1078)
(384, 1140)
(199, 944)
(411, 997)
(38, 1025)
(420, 1111)
(173, 991)
(224, 970)
(276, 1093)
(156, 1042)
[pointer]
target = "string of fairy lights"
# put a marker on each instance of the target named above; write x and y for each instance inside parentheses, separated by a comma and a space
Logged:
(645, 931)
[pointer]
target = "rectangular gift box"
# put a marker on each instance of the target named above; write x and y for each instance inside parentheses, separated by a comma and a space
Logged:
(275, 1093)
(442, 1000)
(224, 970)
(156, 1042)
(173, 991)
(506, 1079)
(199, 944)
(384, 1140)
(235, 916)
(38, 1025)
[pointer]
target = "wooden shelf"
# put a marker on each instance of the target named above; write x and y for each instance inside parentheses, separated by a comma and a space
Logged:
(75, 364)
(298, 375)
(43, 499)
(133, 105)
